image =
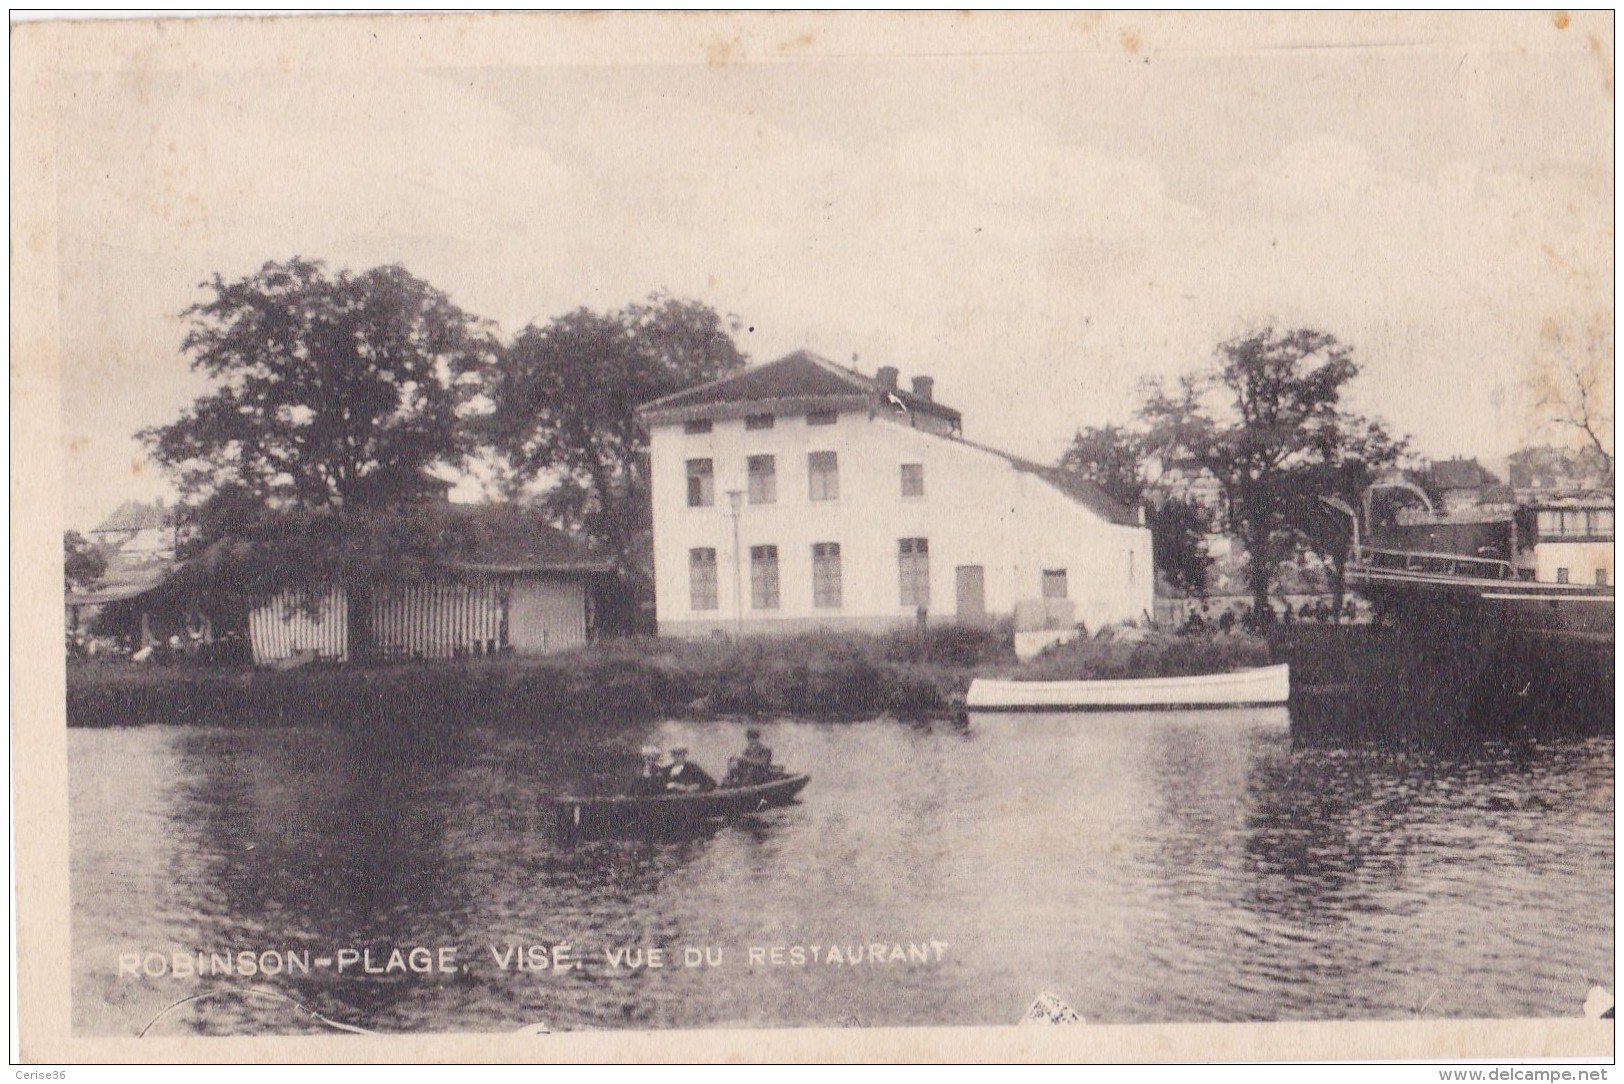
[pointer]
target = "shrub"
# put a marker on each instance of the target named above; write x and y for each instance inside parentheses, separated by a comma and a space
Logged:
(1156, 655)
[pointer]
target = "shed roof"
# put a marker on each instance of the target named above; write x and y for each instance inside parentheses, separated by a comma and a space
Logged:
(511, 538)
(1084, 491)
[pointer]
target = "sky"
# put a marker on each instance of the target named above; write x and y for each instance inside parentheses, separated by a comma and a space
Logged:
(1039, 220)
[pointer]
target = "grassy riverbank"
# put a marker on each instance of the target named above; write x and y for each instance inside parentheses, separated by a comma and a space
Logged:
(834, 676)
(819, 676)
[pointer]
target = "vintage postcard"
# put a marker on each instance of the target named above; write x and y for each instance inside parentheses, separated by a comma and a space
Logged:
(838, 536)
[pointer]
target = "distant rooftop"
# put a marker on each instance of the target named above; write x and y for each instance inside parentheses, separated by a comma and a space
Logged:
(1460, 474)
(134, 516)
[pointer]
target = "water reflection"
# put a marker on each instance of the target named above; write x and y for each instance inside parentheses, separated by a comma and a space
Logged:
(1173, 867)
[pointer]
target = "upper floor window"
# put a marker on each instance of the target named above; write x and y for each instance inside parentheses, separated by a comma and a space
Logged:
(913, 479)
(826, 574)
(1561, 575)
(763, 475)
(821, 417)
(1576, 523)
(698, 425)
(824, 472)
(758, 421)
(702, 579)
(913, 571)
(701, 484)
(764, 577)
(1601, 577)
(1054, 583)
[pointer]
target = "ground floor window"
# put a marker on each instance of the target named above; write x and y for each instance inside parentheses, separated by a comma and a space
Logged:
(1561, 575)
(826, 574)
(913, 571)
(702, 579)
(764, 577)
(1601, 577)
(1054, 583)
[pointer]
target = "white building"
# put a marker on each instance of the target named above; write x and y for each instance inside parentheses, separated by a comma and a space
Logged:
(801, 494)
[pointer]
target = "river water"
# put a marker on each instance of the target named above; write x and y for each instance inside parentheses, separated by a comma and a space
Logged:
(1140, 867)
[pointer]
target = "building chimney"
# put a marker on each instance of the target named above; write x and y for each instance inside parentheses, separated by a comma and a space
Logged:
(887, 376)
(923, 386)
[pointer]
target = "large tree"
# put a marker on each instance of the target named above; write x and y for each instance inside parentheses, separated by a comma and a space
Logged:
(1264, 420)
(336, 398)
(1120, 461)
(564, 396)
(332, 389)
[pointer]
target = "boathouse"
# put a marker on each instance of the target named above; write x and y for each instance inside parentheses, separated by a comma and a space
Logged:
(801, 494)
(521, 588)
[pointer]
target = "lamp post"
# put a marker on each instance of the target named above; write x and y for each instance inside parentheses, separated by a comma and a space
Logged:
(735, 500)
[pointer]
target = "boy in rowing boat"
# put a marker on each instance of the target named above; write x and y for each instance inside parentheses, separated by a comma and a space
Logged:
(754, 765)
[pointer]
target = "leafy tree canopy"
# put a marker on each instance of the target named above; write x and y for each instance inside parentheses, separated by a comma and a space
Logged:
(333, 389)
(1265, 419)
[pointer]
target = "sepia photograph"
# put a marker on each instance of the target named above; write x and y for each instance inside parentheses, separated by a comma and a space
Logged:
(776, 536)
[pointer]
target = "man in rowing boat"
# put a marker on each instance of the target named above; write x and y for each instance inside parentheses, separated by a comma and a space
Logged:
(754, 765)
(651, 780)
(686, 778)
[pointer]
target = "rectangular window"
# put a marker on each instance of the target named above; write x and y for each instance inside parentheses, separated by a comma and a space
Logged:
(1547, 524)
(821, 417)
(764, 577)
(758, 421)
(1604, 522)
(824, 471)
(1601, 577)
(701, 484)
(1054, 582)
(763, 470)
(697, 426)
(913, 571)
(1561, 575)
(913, 479)
(702, 579)
(826, 574)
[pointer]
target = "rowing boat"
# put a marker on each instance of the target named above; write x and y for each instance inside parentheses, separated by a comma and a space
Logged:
(1261, 687)
(669, 813)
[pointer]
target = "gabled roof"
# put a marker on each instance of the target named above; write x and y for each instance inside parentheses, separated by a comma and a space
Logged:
(800, 378)
(134, 516)
(1460, 474)
(1084, 491)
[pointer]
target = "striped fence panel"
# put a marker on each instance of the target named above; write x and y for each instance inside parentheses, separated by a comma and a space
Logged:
(285, 626)
(438, 619)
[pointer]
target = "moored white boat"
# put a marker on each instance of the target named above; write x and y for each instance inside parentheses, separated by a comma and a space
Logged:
(1261, 687)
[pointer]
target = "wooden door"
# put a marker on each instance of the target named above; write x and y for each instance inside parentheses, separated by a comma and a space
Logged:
(971, 588)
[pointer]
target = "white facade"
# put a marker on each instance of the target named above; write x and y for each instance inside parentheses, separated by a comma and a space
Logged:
(982, 517)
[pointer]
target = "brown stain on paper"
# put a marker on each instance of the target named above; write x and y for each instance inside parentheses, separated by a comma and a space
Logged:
(1560, 20)
(719, 54)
